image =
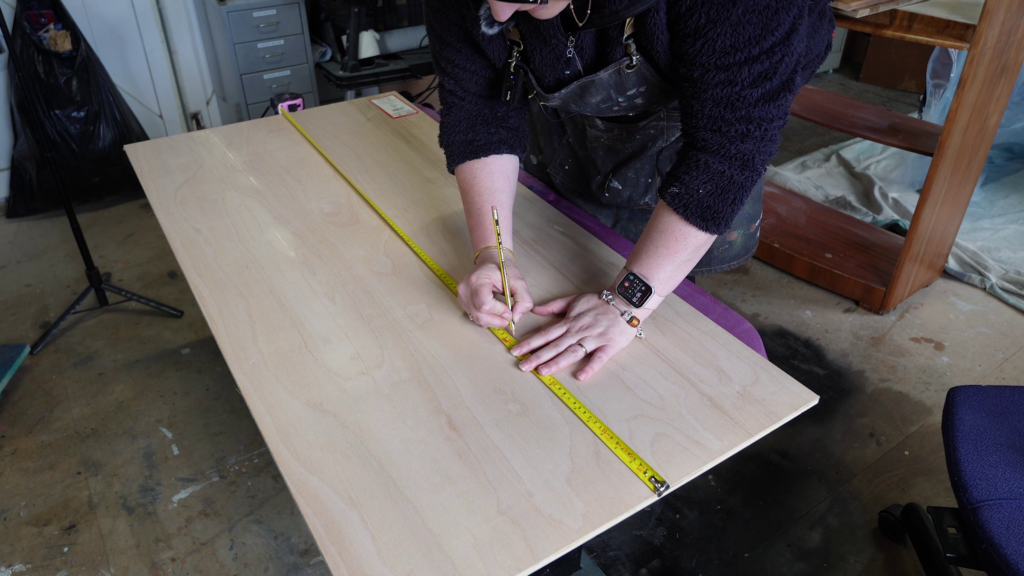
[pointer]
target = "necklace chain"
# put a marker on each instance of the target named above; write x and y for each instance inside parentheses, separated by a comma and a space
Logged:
(585, 16)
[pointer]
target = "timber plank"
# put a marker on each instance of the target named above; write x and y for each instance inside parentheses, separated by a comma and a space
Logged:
(826, 247)
(863, 120)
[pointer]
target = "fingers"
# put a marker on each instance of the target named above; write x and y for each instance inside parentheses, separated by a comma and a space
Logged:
(571, 354)
(520, 308)
(483, 300)
(521, 295)
(598, 359)
(554, 307)
(589, 328)
(468, 300)
(489, 320)
(546, 360)
(539, 339)
(481, 295)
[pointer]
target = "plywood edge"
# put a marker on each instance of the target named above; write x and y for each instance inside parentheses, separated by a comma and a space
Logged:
(873, 8)
(739, 448)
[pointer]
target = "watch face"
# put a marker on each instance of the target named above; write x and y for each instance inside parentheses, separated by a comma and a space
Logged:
(634, 290)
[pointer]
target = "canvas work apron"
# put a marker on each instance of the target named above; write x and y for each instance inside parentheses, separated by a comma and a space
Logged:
(606, 141)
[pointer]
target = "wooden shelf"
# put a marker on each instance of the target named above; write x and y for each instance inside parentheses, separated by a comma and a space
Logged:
(863, 120)
(873, 266)
(826, 247)
(912, 27)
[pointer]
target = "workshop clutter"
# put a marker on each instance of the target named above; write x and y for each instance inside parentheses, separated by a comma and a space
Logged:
(81, 118)
(49, 30)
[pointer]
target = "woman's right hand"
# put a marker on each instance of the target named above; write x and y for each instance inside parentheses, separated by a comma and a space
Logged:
(482, 297)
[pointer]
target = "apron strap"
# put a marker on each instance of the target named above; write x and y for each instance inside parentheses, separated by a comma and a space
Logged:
(627, 39)
(512, 34)
(516, 44)
(512, 85)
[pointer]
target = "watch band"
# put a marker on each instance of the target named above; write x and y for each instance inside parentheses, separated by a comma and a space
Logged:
(627, 293)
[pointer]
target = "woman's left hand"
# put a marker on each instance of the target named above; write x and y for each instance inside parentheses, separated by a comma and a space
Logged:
(590, 326)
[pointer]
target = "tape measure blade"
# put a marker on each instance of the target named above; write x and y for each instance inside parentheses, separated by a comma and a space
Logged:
(617, 445)
(650, 477)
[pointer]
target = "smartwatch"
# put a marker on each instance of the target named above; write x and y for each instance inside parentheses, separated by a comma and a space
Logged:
(635, 290)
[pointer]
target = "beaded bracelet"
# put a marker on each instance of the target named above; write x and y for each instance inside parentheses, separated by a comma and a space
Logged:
(626, 314)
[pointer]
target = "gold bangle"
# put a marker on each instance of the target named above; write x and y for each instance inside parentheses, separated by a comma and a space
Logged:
(486, 248)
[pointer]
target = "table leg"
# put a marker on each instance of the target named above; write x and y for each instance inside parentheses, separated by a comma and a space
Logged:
(991, 69)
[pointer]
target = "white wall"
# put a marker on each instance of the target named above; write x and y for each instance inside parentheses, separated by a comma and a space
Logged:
(128, 38)
(188, 53)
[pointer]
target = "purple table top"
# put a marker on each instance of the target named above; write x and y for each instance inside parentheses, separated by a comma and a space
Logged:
(703, 302)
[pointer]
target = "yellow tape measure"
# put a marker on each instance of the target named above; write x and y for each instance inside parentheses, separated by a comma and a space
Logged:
(642, 469)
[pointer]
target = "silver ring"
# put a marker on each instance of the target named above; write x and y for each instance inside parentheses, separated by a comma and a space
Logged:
(585, 351)
(471, 319)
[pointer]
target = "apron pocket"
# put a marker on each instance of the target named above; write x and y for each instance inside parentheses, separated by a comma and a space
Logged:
(616, 162)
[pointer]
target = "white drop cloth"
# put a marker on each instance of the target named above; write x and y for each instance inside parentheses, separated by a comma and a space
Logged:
(881, 185)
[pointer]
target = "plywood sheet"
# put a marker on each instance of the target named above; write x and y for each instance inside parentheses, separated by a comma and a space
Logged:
(868, 7)
(854, 4)
(967, 11)
(409, 439)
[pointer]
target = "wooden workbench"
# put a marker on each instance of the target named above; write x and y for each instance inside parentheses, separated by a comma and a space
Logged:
(409, 439)
(856, 259)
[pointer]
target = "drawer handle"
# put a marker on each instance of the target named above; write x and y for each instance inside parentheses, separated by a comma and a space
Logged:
(274, 55)
(279, 85)
(267, 24)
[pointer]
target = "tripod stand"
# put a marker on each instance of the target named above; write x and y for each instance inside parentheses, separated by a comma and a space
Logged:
(98, 283)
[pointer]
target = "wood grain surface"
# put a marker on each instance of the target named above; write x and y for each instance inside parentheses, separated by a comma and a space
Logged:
(407, 435)
(868, 7)
(827, 247)
(863, 120)
(912, 27)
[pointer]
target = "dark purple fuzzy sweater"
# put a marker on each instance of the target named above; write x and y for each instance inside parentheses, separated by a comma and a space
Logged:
(737, 65)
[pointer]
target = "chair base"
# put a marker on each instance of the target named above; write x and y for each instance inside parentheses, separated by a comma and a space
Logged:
(937, 534)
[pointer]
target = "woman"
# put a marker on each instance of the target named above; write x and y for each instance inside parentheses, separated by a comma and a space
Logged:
(657, 116)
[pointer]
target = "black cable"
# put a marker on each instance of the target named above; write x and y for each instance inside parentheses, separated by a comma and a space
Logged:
(430, 88)
(428, 95)
(424, 91)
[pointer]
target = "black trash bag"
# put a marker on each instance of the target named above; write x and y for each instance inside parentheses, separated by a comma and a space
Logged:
(69, 107)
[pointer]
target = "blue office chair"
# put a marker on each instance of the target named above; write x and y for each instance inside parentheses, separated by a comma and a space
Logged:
(983, 433)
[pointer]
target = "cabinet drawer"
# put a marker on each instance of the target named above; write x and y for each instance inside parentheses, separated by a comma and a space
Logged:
(261, 86)
(257, 110)
(269, 54)
(272, 22)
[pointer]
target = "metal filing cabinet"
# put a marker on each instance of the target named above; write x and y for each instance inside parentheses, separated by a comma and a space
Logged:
(256, 49)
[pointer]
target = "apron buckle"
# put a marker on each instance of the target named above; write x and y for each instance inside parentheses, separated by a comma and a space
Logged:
(634, 56)
(512, 84)
(631, 51)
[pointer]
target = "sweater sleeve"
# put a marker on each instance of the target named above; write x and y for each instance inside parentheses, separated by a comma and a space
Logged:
(475, 123)
(739, 66)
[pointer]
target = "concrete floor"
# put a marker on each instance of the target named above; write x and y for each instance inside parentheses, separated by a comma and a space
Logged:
(125, 447)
